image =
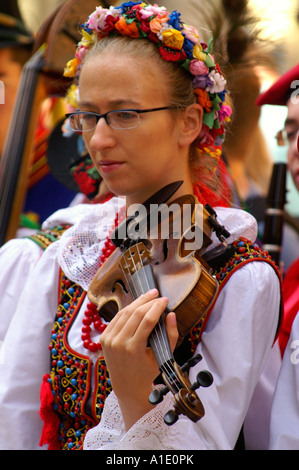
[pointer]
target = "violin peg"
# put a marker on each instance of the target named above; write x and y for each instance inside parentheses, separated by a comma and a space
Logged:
(191, 362)
(157, 396)
(203, 379)
(170, 418)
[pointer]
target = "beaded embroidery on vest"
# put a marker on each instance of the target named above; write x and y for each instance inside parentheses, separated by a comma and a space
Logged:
(70, 377)
(44, 238)
(244, 252)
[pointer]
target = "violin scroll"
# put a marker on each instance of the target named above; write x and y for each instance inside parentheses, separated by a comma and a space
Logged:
(186, 400)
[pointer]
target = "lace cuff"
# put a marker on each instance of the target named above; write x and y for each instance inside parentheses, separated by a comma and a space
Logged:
(148, 433)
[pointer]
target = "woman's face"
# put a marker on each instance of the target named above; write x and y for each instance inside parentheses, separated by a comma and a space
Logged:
(133, 162)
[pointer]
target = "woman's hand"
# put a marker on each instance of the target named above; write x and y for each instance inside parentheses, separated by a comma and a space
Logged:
(131, 363)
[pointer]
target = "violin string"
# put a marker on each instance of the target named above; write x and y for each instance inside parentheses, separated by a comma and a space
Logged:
(126, 277)
(158, 343)
(161, 346)
(166, 366)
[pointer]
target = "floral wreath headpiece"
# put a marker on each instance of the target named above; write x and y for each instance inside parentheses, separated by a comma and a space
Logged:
(176, 42)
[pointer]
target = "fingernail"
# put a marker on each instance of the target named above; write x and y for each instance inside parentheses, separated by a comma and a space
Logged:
(153, 291)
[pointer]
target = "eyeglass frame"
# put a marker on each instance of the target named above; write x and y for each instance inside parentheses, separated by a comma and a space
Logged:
(105, 116)
(282, 137)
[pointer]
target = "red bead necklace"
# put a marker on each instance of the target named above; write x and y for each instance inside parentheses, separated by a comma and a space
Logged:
(91, 316)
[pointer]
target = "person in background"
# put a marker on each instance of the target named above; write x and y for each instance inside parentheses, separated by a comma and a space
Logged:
(284, 423)
(161, 119)
(284, 92)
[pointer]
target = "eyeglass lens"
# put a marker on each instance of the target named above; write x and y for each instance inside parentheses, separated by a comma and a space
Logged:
(117, 119)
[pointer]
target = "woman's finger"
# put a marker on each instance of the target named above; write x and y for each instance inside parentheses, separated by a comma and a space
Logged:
(172, 329)
(122, 315)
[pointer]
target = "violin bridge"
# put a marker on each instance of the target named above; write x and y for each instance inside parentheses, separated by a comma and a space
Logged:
(134, 258)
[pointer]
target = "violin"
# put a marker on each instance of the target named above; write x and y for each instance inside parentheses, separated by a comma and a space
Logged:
(177, 270)
(42, 77)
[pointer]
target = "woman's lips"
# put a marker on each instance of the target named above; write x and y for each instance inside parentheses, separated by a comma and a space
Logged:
(109, 166)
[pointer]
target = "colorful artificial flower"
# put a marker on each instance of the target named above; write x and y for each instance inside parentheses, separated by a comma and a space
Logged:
(191, 34)
(127, 29)
(202, 81)
(204, 99)
(176, 42)
(218, 80)
(197, 67)
(153, 10)
(73, 96)
(173, 38)
(224, 112)
(71, 67)
(156, 24)
(198, 53)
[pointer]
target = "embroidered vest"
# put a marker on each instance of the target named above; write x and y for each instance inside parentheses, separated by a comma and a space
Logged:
(70, 404)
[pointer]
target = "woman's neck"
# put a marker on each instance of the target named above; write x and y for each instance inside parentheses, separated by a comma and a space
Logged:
(185, 188)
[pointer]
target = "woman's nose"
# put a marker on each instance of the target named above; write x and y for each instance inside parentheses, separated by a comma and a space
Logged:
(103, 136)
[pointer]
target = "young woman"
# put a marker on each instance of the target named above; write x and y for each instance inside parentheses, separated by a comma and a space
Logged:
(151, 107)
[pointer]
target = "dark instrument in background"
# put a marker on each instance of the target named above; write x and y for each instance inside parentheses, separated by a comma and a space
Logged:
(42, 77)
(274, 214)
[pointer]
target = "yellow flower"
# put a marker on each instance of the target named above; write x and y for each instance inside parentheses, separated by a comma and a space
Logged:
(72, 96)
(87, 39)
(173, 38)
(198, 54)
(71, 68)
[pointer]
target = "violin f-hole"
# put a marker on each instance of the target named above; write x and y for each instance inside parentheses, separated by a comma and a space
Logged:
(121, 283)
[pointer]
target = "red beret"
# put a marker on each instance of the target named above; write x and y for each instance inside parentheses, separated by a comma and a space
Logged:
(279, 92)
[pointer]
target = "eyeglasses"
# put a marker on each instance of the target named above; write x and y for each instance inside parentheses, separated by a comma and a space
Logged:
(84, 121)
(286, 137)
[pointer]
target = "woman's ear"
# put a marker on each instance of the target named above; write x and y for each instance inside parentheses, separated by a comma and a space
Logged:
(191, 124)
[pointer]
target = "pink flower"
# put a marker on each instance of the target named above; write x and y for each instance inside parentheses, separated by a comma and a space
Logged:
(81, 52)
(224, 112)
(151, 10)
(191, 34)
(205, 137)
(197, 67)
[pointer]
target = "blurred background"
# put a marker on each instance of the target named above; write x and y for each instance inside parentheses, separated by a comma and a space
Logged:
(278, 22)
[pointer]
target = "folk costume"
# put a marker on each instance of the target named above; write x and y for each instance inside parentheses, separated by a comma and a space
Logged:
(56, 330)
(70, 409)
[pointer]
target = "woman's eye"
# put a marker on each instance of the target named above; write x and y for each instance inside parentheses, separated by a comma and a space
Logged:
(88, 117)
(125, 115)
(291, 135)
